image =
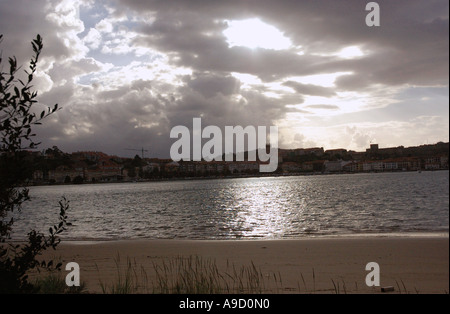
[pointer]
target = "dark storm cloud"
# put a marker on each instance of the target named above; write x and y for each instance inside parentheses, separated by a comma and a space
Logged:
(209, 84)
(217, 104)
(411, 46)
(189, 45)
(22, 20)
(111, 111)
(109, 121)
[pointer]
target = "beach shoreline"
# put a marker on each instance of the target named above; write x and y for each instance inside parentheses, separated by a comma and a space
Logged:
(411, 264)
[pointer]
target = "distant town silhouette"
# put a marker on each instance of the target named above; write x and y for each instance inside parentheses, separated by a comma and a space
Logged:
(53, 166)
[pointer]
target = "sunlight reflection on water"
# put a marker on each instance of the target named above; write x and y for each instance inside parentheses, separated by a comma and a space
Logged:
(247, 208)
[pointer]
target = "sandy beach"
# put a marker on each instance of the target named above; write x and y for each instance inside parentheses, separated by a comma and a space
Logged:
(418, 264)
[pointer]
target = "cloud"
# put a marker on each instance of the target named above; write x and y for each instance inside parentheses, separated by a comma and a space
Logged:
(326, 107)
(127, 71)
(359, 138)
(317, 28)
(210, 85)
(310, 89)
(93, 39)
(104, 26)
(300, 141)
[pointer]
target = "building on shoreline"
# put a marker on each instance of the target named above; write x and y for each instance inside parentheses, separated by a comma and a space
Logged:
(78, 167)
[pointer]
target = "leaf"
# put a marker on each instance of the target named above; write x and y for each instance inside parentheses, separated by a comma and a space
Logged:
(26, 97)
(12, 66)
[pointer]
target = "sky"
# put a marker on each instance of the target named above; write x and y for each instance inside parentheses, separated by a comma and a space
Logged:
(126, 72)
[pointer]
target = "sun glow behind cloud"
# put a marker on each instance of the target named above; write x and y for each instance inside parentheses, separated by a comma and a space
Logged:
(350, 52)
(253, 33)
(324, 80)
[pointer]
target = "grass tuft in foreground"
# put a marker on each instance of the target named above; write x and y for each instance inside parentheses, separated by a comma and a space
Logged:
(54, 283)
(195, 275)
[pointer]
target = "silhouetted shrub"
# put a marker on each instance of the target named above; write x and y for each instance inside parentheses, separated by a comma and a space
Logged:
(17, 117)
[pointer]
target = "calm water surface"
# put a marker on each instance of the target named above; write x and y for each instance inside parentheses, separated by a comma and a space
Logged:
(246, 208)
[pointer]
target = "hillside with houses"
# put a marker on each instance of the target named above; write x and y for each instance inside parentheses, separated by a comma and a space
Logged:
(53, 166)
